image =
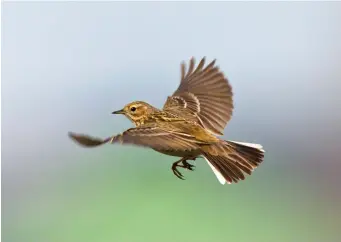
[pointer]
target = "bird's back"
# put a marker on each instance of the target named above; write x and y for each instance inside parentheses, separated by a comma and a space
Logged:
(178, 124)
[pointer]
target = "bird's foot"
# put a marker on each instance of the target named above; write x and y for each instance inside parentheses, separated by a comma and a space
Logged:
(176, 172)
(188, 166)
(184, 164)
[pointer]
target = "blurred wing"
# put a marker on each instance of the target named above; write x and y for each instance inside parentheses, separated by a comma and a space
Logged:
(204, 94)
(152, 137)
(87, 141)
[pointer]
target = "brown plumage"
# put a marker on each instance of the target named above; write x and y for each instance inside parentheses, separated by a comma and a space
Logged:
(188, 124)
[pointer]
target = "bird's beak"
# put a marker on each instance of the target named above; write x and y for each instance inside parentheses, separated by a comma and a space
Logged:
(119, 112)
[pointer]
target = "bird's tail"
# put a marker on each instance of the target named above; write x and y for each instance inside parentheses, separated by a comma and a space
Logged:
(229, 160)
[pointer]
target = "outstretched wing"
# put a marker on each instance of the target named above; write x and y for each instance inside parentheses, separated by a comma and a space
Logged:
(152, 137)
(204, 94)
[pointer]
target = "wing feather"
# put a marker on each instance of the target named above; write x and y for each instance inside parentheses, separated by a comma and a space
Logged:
(145, 136)
(157, 138)
(204, 94)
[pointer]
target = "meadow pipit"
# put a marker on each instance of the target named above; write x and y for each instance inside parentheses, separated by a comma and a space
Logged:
(188, 125)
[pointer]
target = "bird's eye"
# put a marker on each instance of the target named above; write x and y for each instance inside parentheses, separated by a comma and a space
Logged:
(133, 109)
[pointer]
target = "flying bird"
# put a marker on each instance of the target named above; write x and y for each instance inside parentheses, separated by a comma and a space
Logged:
(189, 126)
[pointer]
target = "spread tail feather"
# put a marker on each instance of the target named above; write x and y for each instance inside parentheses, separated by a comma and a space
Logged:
(229, 160)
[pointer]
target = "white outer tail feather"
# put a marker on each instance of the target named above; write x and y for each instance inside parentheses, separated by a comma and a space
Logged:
(256, 146)
(219, 176)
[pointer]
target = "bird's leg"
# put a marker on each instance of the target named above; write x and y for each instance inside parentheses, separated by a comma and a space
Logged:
(188, 165)
(175, 170)
(184, 164)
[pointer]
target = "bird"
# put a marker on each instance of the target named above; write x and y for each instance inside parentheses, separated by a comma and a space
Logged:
(189, 125)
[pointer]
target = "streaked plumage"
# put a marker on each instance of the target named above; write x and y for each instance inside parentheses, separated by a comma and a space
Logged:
(204, 95)
(188, 124)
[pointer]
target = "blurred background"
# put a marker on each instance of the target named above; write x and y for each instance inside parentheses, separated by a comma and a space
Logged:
(67, 66)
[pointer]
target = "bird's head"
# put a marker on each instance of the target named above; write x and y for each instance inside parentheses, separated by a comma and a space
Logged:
(136, 111)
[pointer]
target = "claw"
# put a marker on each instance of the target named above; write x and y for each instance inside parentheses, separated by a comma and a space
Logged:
(188, 166)
(184, 164)
(177, 173)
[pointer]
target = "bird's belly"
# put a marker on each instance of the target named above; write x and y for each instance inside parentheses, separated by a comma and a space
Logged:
(192, 153)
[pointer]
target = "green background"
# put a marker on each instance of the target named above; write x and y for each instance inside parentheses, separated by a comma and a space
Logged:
(66, 66)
